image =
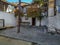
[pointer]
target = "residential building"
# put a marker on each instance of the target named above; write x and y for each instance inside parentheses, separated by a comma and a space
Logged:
(3, 6)
(8, 18)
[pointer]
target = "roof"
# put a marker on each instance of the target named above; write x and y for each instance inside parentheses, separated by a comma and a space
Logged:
(22, 3)
(15, 4)
(3, 2)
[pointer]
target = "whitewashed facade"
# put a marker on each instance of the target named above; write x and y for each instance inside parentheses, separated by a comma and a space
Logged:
(37, 21)
(8, 18)
(54, 21)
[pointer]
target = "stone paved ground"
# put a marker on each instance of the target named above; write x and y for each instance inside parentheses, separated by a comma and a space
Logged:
(32, 34)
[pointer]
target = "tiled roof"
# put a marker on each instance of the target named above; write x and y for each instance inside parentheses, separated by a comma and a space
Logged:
(15, 4)
(22, 4)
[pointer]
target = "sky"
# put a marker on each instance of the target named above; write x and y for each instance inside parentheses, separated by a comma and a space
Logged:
(27, 1)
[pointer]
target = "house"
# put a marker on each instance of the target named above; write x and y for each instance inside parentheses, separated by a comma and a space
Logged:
(4, 5)
(8, 18)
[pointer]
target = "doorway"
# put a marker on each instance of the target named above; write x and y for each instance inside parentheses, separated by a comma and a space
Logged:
(33, 21)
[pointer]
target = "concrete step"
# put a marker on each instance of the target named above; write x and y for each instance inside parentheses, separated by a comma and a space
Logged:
(2, 28)
(7, 27)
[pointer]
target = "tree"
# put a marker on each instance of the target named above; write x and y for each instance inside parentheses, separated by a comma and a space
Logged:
(32, 12)
(35, 10)
(17, 12)
(40, 3)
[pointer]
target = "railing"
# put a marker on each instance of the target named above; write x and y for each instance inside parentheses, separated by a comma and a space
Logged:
(2, 23)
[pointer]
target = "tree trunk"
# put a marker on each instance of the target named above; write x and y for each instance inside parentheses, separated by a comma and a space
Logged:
(19, 21)
(40, 21)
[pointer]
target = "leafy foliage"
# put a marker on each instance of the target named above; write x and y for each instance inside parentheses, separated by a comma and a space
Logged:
(17, 12)
(40, 2)
(33, 12)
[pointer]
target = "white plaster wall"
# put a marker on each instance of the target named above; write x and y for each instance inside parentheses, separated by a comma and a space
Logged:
(51, 12)
(57, 21)
(58, 14)
(9, 18)
(54, 22)
(44, 21)
(37, 22)
(29, 20)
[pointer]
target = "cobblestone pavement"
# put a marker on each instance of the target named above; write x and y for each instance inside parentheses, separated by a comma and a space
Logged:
(32, 34)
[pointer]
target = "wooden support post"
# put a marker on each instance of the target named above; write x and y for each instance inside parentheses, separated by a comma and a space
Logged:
(18, 24)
